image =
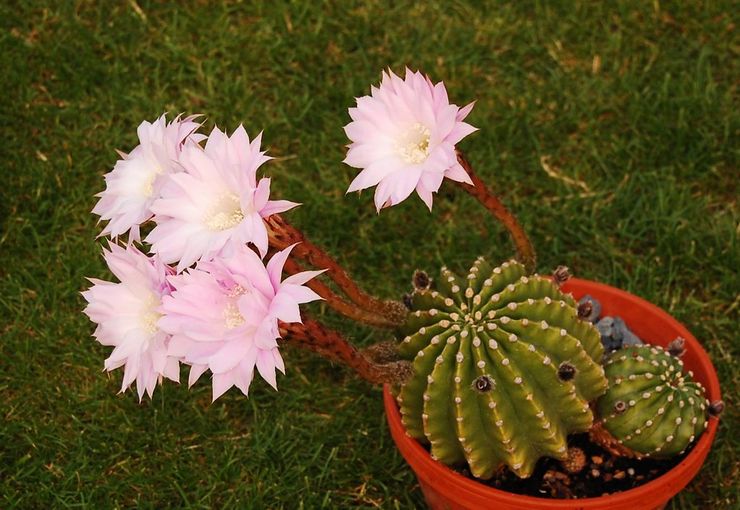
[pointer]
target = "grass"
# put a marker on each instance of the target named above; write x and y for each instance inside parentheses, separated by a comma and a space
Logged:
(631, 106)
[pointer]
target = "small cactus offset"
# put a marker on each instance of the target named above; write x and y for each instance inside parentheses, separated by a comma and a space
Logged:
(503, 368)
(651, 408)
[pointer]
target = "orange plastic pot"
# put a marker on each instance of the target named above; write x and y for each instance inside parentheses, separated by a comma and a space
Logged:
(443, 488)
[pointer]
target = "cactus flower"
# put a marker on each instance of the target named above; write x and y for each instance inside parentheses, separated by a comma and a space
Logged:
(136, 179)
(224, 315)
(216, 204)
(127, 315)
(403, 138)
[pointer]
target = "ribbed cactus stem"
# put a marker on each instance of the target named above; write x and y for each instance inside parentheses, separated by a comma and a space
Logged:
(652, 408)
(503, 369)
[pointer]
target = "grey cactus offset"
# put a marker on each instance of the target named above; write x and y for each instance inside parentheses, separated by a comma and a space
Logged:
(652, 408)
(503, 369)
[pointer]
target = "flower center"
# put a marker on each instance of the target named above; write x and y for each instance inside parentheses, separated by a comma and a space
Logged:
(150, 317)
(225, 213)
(232, 315)
(237, 291)
(149, 322)
(147, 187)
(413, 145)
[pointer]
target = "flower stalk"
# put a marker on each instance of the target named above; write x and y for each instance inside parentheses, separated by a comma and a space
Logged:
(480, 192)
(387, 313)
(338, 304)
(316, 337)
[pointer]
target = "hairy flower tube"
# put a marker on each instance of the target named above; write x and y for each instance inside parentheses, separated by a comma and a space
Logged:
(223, 315)
(127, 316)
(216, 204)
(403, 138)
(137, 178)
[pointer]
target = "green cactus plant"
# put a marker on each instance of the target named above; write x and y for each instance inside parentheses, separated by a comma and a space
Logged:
(503, 368)
(651, 408)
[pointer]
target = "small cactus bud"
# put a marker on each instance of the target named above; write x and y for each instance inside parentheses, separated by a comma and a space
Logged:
(483, 384)
(421, 280)
(716, 408)
(585, 309)
(619, 407)
(407, 301)
(677, 347)
(566, 371)
(575, 460)
(561, 275)
(592, 311)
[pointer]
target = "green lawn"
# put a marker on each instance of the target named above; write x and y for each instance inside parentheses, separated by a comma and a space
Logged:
(632, 106)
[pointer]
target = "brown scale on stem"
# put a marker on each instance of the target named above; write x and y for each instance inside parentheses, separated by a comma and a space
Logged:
(481, 193)
(314, 336)
(282, 235)
(382, 352)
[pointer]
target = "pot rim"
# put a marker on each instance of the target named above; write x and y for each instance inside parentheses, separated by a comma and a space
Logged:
(423, 465)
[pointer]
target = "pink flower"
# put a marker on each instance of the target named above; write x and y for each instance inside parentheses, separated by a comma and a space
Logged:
(136, 179)
(403, 137)
(127, 315)
(224, 314)
(216, 204)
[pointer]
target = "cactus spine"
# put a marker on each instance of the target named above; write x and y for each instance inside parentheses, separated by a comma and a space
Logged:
(651, 408)
(503, 369)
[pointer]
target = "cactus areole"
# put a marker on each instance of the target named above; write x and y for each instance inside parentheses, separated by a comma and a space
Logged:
(503, 369)
(652, 407)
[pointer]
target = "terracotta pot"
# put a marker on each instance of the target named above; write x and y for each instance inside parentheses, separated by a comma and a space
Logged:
(443, 488)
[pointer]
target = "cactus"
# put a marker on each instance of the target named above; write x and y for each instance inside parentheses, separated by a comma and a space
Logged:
(503, 369)
(651, 408)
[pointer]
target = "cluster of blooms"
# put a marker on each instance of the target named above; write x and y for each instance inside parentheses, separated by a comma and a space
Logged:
(219, 308)
(204, 297)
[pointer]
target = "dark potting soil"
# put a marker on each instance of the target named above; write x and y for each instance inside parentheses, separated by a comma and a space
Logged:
(602, 474)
